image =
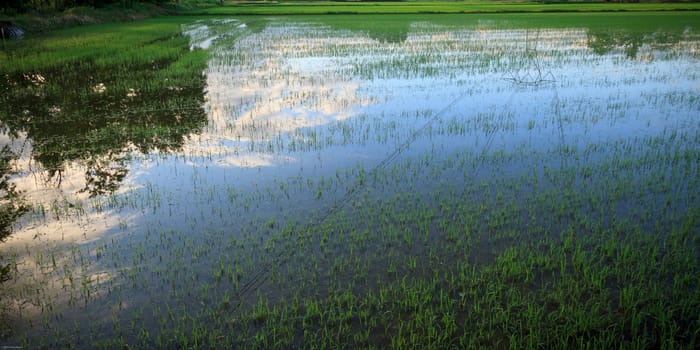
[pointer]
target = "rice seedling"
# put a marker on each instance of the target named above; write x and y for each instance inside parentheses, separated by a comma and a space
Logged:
(296, 183)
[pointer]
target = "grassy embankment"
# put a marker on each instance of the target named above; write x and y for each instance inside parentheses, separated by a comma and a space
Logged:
(411, 7)
(35, 22)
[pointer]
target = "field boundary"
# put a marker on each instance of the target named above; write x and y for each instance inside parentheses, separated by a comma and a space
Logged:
(436, 7)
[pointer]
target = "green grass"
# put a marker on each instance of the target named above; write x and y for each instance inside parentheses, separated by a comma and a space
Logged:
(115, 42)
(319, 7)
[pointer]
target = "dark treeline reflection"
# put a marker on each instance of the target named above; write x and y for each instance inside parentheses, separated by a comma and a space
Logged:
(605, 41)
(601, 40)
(11, 207)
(387, 29)
(94, 114)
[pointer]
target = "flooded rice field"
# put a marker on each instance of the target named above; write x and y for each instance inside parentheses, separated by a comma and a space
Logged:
(449, 186)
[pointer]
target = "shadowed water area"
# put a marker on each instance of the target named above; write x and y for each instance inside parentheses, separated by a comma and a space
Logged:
(313, 164)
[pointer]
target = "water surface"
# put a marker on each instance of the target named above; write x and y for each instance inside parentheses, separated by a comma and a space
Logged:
(314, 159)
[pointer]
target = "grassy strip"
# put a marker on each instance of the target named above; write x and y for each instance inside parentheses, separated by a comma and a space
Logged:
(36, 22)
(111, 43)
(320, 8)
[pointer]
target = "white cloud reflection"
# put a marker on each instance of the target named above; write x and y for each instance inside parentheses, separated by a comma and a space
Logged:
(280, 85)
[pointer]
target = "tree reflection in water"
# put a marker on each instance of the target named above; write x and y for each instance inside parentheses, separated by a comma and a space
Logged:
(96, 118)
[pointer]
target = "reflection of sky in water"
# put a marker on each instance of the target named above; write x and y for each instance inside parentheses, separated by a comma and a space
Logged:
(293, 104)
(302, 101)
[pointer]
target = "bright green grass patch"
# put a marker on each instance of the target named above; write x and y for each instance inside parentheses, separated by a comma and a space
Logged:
(295, 8)
(114, 42)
